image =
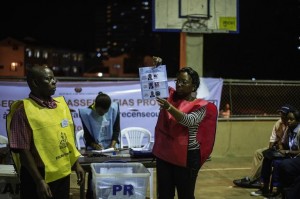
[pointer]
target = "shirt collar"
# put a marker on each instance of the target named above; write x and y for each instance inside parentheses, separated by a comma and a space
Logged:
(44, 103)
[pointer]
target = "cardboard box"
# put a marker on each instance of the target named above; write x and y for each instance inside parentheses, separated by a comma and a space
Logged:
(120, 180)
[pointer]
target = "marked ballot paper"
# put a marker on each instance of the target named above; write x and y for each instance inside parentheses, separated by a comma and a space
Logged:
(154, 82)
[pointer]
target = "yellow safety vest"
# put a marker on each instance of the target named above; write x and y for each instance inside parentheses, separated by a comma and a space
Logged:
(53, 136)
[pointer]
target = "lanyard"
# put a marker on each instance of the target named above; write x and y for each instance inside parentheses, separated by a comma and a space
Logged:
(292, 139)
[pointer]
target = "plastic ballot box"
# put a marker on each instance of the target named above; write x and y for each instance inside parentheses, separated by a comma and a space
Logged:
(120, 180)
(9, 182)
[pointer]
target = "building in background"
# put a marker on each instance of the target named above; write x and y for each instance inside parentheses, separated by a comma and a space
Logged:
(16, 55)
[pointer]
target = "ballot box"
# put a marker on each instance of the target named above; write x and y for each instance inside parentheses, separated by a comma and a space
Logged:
(120, 180)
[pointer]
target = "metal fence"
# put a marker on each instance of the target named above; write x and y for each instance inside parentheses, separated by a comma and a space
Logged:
(259, 98)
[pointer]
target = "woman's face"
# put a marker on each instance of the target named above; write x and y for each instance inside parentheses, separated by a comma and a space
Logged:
(292, 122)
(101, 111)
(184, 85)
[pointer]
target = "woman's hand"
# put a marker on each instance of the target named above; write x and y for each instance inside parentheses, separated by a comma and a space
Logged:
(164, 104)
(97, 146)
(156, 61)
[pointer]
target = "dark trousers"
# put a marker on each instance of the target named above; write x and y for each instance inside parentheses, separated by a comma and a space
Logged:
(171, 177)
(270, 169)
(289, 172)
(89, 191)
(60, 188)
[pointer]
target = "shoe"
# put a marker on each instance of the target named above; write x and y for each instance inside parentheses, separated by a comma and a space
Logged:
(260, 192)
(257, 193)
(278, 196)
(255, 184)
(247, 183)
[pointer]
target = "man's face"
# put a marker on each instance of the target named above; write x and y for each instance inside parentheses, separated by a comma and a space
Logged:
(45, 83)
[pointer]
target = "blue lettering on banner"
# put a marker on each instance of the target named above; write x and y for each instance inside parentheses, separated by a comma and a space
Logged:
(127, 189)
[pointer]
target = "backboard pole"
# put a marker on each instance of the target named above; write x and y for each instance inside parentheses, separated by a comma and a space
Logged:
(191, 51)
(182, 58)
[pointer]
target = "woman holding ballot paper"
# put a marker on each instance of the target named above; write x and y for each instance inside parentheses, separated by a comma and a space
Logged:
(184, 136)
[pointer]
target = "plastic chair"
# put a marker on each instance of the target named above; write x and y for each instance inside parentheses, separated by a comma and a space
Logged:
(3, 141)
(135, 137)
(79, 136)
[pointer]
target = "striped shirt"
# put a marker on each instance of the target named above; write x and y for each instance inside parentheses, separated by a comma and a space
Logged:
(192, 121)
(21, 132)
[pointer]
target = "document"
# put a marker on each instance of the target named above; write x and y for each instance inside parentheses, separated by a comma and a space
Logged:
(154, 82)
(104, 150)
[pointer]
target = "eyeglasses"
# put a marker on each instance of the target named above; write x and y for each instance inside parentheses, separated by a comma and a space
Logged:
(182, 82)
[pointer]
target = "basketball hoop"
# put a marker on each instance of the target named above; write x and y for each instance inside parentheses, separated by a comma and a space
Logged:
(196, 23)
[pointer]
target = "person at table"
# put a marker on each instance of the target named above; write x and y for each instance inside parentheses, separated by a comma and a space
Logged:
(184, 137)
(101, 126)
(41, 137)
(101, 123)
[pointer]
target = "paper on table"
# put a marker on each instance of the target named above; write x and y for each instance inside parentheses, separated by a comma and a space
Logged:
(104, 150)
(147, 147)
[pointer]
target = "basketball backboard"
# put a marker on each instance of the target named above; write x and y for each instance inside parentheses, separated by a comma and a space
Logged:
(198, 16)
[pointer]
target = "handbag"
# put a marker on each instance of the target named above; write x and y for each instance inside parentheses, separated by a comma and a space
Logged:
(273, 154)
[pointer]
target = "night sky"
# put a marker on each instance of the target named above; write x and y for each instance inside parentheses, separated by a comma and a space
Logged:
(265, 48)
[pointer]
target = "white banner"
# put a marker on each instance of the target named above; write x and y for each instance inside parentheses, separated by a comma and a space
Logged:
(134, 111)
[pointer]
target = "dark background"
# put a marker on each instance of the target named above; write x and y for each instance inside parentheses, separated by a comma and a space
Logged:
(265, 47)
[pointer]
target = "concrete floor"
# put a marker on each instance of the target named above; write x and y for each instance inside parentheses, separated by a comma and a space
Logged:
(214, 180)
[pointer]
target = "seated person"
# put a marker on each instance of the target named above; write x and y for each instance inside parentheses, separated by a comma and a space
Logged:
(253, 180)
(291, 145)
(289, 175)
(101, 125)
(105, 113)
(226, 112)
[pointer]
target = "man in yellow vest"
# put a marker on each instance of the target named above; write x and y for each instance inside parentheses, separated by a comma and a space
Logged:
(41, 138)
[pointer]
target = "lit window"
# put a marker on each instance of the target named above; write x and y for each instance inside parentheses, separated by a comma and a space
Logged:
(74, 69)
(80, 57)
(37, 53)
(28, 52)
(14, 66)
(45, 54)
(74, 55)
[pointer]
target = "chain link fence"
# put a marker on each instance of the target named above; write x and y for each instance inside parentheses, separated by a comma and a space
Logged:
(259, 98)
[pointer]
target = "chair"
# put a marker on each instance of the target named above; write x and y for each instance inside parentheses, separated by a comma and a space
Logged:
(79, 136)
(3, 141)
(135, 137)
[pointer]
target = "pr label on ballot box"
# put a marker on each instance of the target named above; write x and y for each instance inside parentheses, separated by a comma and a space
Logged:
(154, 82)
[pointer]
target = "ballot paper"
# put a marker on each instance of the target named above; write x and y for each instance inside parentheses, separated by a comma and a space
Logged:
(108, 150)
(154, 82)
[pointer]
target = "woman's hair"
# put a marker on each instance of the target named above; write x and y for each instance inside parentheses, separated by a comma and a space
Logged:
(194, 75)
(102, 100)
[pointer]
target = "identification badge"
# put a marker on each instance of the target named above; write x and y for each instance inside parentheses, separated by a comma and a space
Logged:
(105, 123)
(64, 123)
